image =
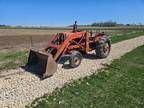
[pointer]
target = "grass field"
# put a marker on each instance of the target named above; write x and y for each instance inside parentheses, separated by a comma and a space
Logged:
(12, 60)
(125, 36)
(118, 85)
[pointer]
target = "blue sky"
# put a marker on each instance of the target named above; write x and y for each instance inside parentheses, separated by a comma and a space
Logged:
(65, 12)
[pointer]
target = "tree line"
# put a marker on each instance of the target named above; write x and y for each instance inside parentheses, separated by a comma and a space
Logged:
(95, 24)
(112, 24)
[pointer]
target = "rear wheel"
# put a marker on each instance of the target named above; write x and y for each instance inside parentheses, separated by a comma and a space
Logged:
(103, 49)
(75, 59)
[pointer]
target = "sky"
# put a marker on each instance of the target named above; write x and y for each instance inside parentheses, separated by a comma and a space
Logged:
(65, 12)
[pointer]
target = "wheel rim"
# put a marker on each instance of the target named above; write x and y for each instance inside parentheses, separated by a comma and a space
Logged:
(76, 60)
(106, 48)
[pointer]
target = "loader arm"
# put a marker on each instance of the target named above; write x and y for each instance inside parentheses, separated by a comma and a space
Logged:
(62, 49)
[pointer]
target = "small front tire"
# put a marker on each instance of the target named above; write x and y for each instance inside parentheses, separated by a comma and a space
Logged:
(75, 59)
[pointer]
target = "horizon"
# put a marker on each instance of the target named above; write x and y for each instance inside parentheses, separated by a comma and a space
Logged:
(63, 13)
(47, 26)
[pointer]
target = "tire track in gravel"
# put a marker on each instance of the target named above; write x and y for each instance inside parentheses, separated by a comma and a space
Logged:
(21, 89)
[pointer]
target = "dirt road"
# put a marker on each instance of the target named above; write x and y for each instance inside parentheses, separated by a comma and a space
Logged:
(18, 90)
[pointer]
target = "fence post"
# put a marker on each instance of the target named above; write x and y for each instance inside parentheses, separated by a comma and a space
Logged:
(31, 41)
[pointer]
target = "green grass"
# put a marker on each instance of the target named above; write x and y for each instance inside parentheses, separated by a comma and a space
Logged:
(12, 60)
(125, 36)
(118, 85)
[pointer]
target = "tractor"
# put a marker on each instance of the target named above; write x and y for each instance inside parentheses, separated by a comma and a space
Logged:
(74, 44)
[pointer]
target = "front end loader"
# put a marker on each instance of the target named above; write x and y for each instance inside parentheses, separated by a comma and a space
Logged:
(74, 44)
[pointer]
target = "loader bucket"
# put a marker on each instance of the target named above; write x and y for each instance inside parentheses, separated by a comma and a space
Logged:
(42, 63)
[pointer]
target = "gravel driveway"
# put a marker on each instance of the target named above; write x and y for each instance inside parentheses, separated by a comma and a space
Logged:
(18, 90)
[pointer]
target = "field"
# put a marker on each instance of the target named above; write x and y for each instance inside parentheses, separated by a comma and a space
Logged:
(25, 38)
(118, 85)
(16, 42)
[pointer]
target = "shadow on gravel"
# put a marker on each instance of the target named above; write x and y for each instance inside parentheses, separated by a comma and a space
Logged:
(65, 60)
(36, 70)
(33, 70)
(90, 56)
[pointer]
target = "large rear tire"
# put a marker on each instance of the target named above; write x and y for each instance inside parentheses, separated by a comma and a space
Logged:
(75, 59)
(103, 48)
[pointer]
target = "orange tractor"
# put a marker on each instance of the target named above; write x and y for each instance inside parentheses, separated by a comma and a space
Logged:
(74, 44)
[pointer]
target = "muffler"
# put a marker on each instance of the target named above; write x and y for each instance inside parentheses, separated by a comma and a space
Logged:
(42, 63)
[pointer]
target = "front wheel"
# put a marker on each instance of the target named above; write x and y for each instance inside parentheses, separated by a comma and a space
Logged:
(75, 59)
(103, 49)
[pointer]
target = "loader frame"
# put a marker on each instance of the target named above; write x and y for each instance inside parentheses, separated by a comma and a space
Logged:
(80, 41)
